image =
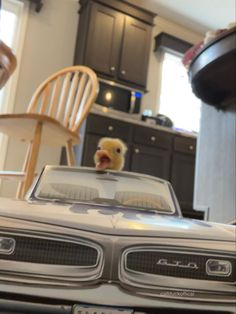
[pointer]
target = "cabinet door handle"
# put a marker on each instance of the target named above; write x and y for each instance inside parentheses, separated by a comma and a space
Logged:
(136, 151)
(110, 128)
(112, 69)
(191, 147)
(123, 72)
(153, 138)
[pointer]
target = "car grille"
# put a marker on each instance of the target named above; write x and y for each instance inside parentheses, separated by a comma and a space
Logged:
(50, 258)
(174, 264)
(50, 251)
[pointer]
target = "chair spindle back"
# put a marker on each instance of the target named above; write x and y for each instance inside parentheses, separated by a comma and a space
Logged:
(66, 96)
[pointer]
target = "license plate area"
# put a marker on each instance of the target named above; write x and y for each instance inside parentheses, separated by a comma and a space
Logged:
(82, 309)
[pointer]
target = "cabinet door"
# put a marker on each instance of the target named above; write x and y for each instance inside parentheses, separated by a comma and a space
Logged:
(90, 146)
(182, 178)
(152, 161)
(135, 51)
(108, 127)
(152, 137)
(104, 40)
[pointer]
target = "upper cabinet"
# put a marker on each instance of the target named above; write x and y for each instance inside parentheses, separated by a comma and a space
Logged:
(114, 39)
(135, 50)
(104, 40)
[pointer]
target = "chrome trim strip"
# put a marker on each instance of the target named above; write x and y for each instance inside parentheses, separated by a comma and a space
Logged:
(183, 294)
(50, 271)
(112, 83)
(117, 297)
(132, 102)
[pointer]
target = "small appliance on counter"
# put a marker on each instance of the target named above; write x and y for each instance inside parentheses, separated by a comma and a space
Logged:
(119, 97)
(159, 119)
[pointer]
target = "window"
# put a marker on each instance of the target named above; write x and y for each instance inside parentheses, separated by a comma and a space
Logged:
(177, 100)
(8, 24)
(13, 21)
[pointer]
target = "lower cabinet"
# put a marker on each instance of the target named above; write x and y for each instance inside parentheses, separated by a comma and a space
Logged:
(90, 144)
(149, 160)
(182, 178)
(182, 170)
(150, 151)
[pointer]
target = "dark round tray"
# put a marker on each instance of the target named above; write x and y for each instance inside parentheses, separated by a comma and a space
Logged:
(212, 72)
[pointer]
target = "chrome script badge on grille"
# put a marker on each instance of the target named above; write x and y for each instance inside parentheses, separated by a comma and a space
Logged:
(83, 309)
(178, 264)
(7, 245)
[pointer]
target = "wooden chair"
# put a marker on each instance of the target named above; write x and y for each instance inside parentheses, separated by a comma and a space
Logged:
(54, 116)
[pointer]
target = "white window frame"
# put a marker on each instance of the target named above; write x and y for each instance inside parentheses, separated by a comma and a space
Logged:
(21, 9)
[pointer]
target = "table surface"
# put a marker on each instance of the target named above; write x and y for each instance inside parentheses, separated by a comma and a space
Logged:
(212, 71)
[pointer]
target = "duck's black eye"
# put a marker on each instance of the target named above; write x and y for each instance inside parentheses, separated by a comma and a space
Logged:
(118, 150)
(98, 148)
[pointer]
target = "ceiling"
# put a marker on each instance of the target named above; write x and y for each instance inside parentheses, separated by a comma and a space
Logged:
(198, 15)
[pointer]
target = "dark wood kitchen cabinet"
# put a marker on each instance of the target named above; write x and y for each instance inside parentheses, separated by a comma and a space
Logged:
(135, 52)
(182, 170)
(151, 152)
(149, 160)
(104, 40)
(90, 144)
(114, 39)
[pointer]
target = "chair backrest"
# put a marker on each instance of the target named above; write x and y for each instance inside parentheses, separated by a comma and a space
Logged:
(67, 96)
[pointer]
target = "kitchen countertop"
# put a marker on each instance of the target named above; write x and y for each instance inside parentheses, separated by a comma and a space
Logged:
(135, 119)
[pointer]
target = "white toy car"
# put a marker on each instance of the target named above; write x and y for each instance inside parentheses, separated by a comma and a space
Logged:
(89, 241)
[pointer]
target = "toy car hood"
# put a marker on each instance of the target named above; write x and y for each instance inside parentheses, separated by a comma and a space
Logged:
(115, 221)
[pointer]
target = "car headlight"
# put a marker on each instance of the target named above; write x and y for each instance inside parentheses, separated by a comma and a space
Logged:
(216, 267)
(7, 245)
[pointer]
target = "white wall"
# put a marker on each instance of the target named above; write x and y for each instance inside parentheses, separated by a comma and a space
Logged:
(49, 46)
(151, 99)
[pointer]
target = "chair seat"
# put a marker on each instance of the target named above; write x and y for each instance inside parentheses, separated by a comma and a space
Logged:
(21, 125)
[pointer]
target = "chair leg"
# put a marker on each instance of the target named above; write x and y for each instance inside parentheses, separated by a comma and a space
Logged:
(70, 154)
(19, 193)
(32, 160)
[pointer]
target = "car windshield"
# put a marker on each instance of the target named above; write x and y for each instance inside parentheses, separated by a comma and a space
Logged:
(122, 189)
